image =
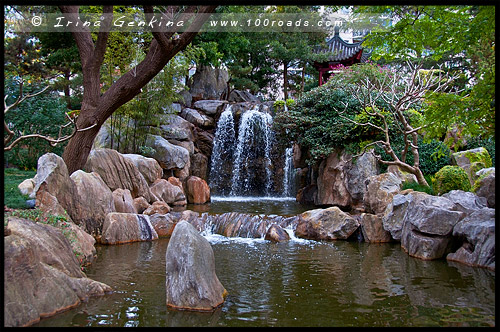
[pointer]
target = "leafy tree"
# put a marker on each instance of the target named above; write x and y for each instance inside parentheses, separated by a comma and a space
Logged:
(97, 107)
(462, 38)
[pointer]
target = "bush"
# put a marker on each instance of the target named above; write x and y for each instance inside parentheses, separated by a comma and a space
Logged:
(451, 178)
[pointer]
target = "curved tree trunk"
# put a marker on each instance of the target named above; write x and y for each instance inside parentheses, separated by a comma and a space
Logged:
(97, 107)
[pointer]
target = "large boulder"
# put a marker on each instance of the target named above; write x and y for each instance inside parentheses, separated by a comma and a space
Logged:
(208, 83)
(27, 187)
(93, 203)
(118, 172)
(210, 107)
(171, 126)
(199, 166)
(168, 155)
(472, 161)
(428, 226)
(395, 214)
(197, 118)
(372, 228)
(326, 224)
(191, 281)
(357, 172)
(380, 189)
(239, 96)
(485, 185)
(331, 182)
(163, 224)
(42, 276)
(148, 167)
(127, 227)
(466, 201)
(52, 171)
(169, 193)
(477, 231)
(123, 200)
(197, 190)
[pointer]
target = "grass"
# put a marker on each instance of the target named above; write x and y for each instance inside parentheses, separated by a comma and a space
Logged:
(12, 196)
(417, 187)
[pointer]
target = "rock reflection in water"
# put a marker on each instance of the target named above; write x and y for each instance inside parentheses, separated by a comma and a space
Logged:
(295, 283)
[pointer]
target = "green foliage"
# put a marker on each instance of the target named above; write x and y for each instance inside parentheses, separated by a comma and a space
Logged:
(12, 196)
(451, 178)
(43, 114)
(418, 187)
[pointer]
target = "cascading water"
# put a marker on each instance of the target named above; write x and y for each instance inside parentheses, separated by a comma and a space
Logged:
(222, 154)
(245, 162)
(289, 174)
(252, 153)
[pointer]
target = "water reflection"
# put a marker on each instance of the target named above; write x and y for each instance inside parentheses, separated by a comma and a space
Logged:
(296, 283)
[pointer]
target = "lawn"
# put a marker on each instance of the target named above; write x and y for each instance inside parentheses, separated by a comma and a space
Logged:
(12, 196)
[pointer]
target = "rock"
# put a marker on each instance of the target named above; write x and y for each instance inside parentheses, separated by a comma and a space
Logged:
(171, 126)
(485, 185)
(103, 138)
(30, 203)
(183, 173)
(52, 171)
(197, 190)
(395, 215)
(148, 167)
(239, 96)
(191, 281)
(299, 157)
(276, 234)
(199, 166)
(48, 203)
(42, 276)
(477, 231)
(356, 174)
(404, 176)
(27, 187)
(168, 192)
(326, 224)
(372, 228)
(210, 107)
(196, 118)
(307, 195)
(95, 200)
(124, 202)
(331, 181)
(169, 156)
(428, 225)
(208, 83)
(118, 172)
(163, 224)
(472, 161)
(188, 145)
(204, 141)
(157, 207)
(140, 204)
(466, 201)
(380, 189)
(175, 181)
(127, 227)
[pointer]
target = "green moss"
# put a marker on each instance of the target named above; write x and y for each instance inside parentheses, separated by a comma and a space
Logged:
(479, 157)
(478, 181)
(451, 178)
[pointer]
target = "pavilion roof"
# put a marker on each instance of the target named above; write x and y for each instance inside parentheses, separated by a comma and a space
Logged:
(342, 50)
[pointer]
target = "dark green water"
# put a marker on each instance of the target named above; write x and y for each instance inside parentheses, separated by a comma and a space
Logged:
(297, 283)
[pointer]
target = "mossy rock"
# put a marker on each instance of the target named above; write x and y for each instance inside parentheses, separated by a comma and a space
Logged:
(472, 161)
(451, 178)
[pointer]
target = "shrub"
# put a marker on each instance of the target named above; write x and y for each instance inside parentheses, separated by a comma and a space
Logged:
(451, 178)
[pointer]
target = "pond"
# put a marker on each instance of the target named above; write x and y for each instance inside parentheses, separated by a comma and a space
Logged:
(295, 283)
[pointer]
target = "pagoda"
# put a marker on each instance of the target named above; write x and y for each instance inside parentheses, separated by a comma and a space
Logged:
(342, 54)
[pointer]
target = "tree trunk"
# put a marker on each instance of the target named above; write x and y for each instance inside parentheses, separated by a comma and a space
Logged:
(97, 107)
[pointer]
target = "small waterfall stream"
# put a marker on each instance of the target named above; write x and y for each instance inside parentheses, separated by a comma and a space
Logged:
(241, 163)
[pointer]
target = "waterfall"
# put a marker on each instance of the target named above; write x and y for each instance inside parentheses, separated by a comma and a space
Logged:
(289, 174)
(252, 150)
(222, 153)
